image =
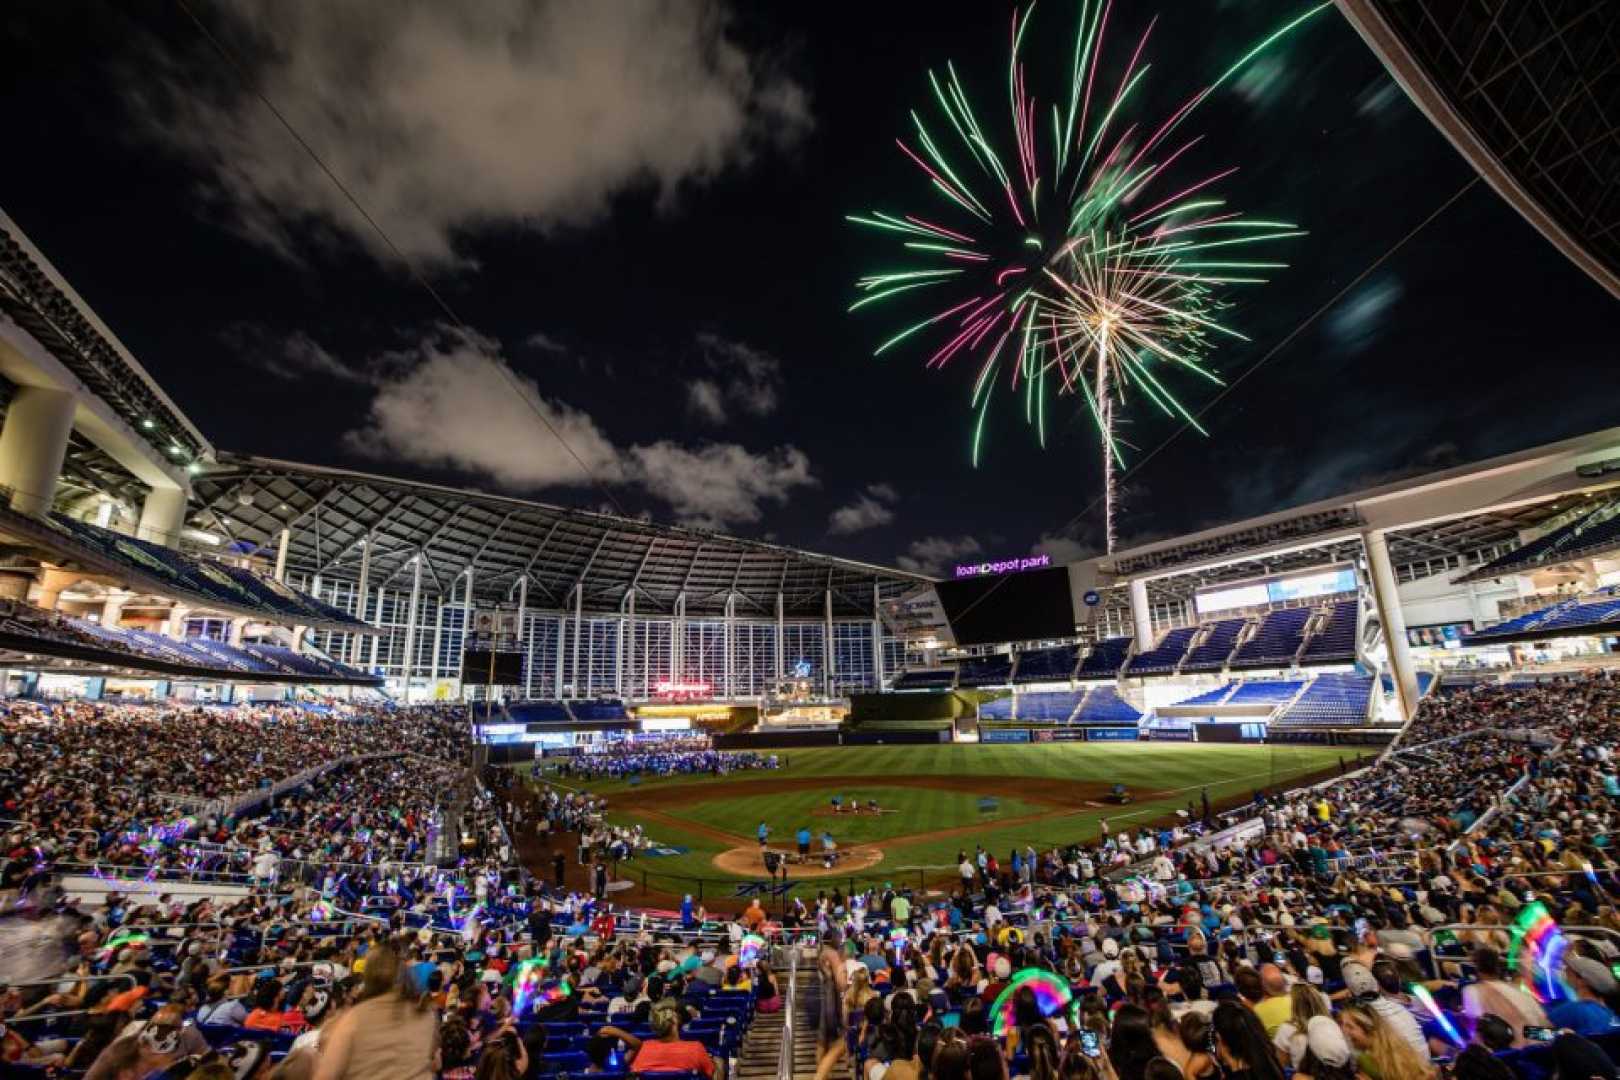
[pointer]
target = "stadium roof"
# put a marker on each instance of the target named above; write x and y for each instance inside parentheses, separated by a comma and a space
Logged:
(1528, 91)
(329, 512)
(1447, 520)
(38, 299)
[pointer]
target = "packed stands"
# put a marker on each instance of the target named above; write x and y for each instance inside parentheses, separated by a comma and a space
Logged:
(1163, 658)
(1311, 898)
(1591, 533)
(1334, 698)
(1047, 665)
(1335, 641)
(1105, 658)
(992, 670)
(1211, 653)
(1275, 642)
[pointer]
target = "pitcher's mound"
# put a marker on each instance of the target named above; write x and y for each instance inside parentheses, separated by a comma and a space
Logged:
(747, 862)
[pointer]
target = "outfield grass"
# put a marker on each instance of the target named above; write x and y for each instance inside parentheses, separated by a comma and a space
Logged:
(1177, 771)
(912, 811)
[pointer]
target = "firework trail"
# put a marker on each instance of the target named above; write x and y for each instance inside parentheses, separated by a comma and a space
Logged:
(1078, 261)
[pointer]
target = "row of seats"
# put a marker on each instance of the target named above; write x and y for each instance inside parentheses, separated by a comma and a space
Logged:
(1585, 613)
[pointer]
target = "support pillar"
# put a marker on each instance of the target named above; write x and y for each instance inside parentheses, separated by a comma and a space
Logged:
(827, 664)
(579, 612)
(562, 634)
(300, 634)
(438, 638)
(728, 639)
(376, 638)
(33, 445)
(163, 515)
(281, 554)
(524, 639)
(677, 642)
(357, 641)
(628, 645)
(410, 625)
(781, 633)
(1141, 615)
(235, 632)
(176, 626)
(877, 639)
(1393, 620)
(112, 608)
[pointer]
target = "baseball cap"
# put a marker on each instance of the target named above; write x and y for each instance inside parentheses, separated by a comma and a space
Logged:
(1593, 974)
(1327, 1042)
(1359, 980)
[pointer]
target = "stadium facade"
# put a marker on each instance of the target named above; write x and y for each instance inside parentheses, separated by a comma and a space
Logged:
(135, 548)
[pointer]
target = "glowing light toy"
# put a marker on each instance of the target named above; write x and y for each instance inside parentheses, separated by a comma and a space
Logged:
(1421, 992)
(1536, 954)
(1052, 996)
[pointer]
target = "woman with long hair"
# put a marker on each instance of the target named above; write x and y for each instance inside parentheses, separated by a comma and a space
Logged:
(1241, 1044)
(1162, 1023)
(1040, 1047)
(1381, 1053)
(387, 1035)
(1131, 1045)
(1305, 1002)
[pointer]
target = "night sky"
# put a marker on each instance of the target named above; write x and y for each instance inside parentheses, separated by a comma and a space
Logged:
(638, 208)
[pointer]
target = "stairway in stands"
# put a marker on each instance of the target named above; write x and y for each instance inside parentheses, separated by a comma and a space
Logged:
(762, 1048)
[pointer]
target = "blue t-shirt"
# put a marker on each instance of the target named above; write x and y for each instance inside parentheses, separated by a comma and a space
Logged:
(804, 837)
(1582, 1017)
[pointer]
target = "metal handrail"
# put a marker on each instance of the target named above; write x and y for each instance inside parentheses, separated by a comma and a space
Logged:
(1435, 958)
(790, 1006)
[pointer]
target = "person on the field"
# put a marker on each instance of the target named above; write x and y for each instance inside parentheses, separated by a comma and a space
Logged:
(764, 832)
(804, 841)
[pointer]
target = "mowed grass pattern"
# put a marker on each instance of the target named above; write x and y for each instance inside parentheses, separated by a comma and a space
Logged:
(914, 810)
(1177, 771)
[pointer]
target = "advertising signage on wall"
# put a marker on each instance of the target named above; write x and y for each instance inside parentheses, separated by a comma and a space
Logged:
(1005, 566)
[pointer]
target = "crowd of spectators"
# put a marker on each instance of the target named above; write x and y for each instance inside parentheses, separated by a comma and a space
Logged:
(1306, 933)
(662, 757)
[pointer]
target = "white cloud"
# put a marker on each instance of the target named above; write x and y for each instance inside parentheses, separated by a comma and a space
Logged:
(705, 400)
(452, 402)
(443, 118)
(294, 358)
(544, 342)
(746, 378)
(935, 555)
(869, 509)
(717, 484)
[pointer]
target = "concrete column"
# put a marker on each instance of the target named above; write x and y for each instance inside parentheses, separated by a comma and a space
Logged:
(677, 642)
(163, 515)
(52, 583)
(356, 641)
(781, 632)
(176, 627)
(300, 634)
(827, 665)
(33, 445)
(281, 554)
(410, 625)
(525, 642)
(112, 608)
(728, 644)
(562, 632)
(1141, 615)
(1393, 620)
(579, 612)
(438, 638)
(628, 645)
(467, 615)
(376, 639)
(234, 634)
(877, 640)
(104, 513)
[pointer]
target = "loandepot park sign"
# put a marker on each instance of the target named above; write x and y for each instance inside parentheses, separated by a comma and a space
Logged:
(1006, 566)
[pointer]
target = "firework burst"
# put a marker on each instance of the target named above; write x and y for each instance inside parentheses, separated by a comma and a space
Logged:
(1078, 264)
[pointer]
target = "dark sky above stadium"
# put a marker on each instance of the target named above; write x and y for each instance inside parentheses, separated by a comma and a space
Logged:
(637, 208)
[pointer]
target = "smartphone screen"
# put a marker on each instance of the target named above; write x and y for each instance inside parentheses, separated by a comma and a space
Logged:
(1539, 1034)
(1090, 1045)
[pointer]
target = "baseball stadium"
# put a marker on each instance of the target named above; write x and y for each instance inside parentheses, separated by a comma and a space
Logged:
(390, 760)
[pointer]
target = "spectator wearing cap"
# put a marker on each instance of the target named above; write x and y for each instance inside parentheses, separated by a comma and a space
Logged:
(1000, 972)
(1364, 990)
(1587, 1013)
(1327, 1054)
